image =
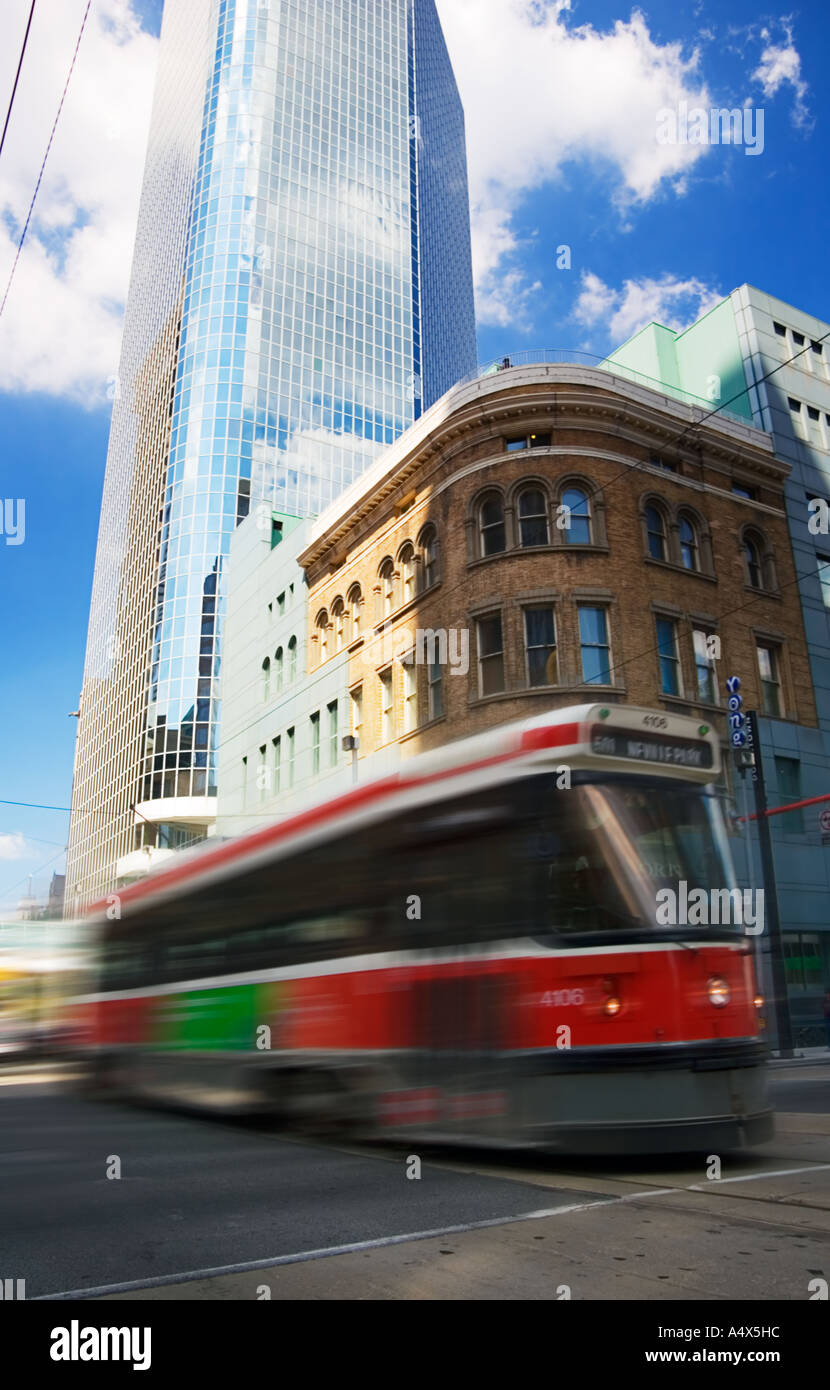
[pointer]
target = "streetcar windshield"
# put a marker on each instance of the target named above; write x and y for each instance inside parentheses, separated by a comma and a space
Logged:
(645, 857)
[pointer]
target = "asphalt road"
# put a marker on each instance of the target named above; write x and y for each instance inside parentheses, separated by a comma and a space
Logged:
(210, 1210)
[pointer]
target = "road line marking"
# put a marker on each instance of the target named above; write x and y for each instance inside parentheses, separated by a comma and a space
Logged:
(304, 1255)
(756, 1177)
(382, 1242)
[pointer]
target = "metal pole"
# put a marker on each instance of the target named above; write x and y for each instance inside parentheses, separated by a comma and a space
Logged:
(750, 875)
(776, 945)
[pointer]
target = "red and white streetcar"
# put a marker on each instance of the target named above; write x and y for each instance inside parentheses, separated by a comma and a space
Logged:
(468, 950)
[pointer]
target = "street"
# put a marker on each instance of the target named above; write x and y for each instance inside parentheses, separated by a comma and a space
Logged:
(209, 1210)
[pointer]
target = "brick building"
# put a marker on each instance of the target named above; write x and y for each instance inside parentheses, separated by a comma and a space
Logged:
(569, 532)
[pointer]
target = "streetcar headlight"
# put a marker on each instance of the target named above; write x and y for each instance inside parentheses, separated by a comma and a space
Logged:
(612, 1006)
(718, 992)
(759, 1001)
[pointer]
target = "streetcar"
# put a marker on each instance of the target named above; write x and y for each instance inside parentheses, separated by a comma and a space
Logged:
(469, 950)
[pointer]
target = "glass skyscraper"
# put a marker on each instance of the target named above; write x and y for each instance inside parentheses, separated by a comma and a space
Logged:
(301, 292)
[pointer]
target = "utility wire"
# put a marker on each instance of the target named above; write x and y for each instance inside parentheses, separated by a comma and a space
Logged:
(45, 157)
(17, 77)
(35, 805)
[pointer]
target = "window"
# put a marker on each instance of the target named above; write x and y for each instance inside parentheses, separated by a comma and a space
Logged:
(276, 759)
(578, 516)
(754, 560)
(657, 461)
(435, 688)
(356, 712)
(493, 536)
(788, 776)
(824, 577)
(292, 660)
(803, 961)
(490, 655)
(780, 330)
(407, 563)
(332, 712)
(276, 532)
(322, 636)
(387, 587)
(596, 653)
(289, 748)
(354, 611)
(281, 603)
(533, 518)
(278, 669)
(707, 690)
(387, 707)
(769, 670)
(540, 645)
(429, 556)
(741, 490)
(263, 776)
(795, 406)
(689, 545)
(798, 339)
(527, 441)
(314, 721)
(656, 533)
(266, 679)
(813, 413)
(410, 696)
(338, 616)
(667, 653)
(816, 347)
(244, 783)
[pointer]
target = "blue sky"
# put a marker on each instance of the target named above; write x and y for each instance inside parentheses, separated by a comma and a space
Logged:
(561, 103)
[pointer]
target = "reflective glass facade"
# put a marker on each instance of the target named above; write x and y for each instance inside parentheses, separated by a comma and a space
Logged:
(301, 292)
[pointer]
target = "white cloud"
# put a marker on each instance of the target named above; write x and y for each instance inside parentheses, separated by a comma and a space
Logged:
(616, 314)
(61, 328)
(780, 64)
(538, 94)
(13, 846)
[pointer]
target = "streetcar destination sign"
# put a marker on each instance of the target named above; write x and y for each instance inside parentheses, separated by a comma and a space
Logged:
(654, 748)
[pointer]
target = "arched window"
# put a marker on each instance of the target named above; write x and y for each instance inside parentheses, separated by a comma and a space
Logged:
(387, 587)
(407, 564)
(278, 668)
(338, 617)
(292, 660)
(656, 533)
(689, 543)
(429, 557)
(577, 518)
(533, 518)
(266, 679)
(491, 527)
(756, 567)
(354, 611)
(323, 636)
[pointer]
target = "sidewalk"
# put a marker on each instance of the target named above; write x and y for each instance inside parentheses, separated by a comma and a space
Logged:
(802, 1056)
